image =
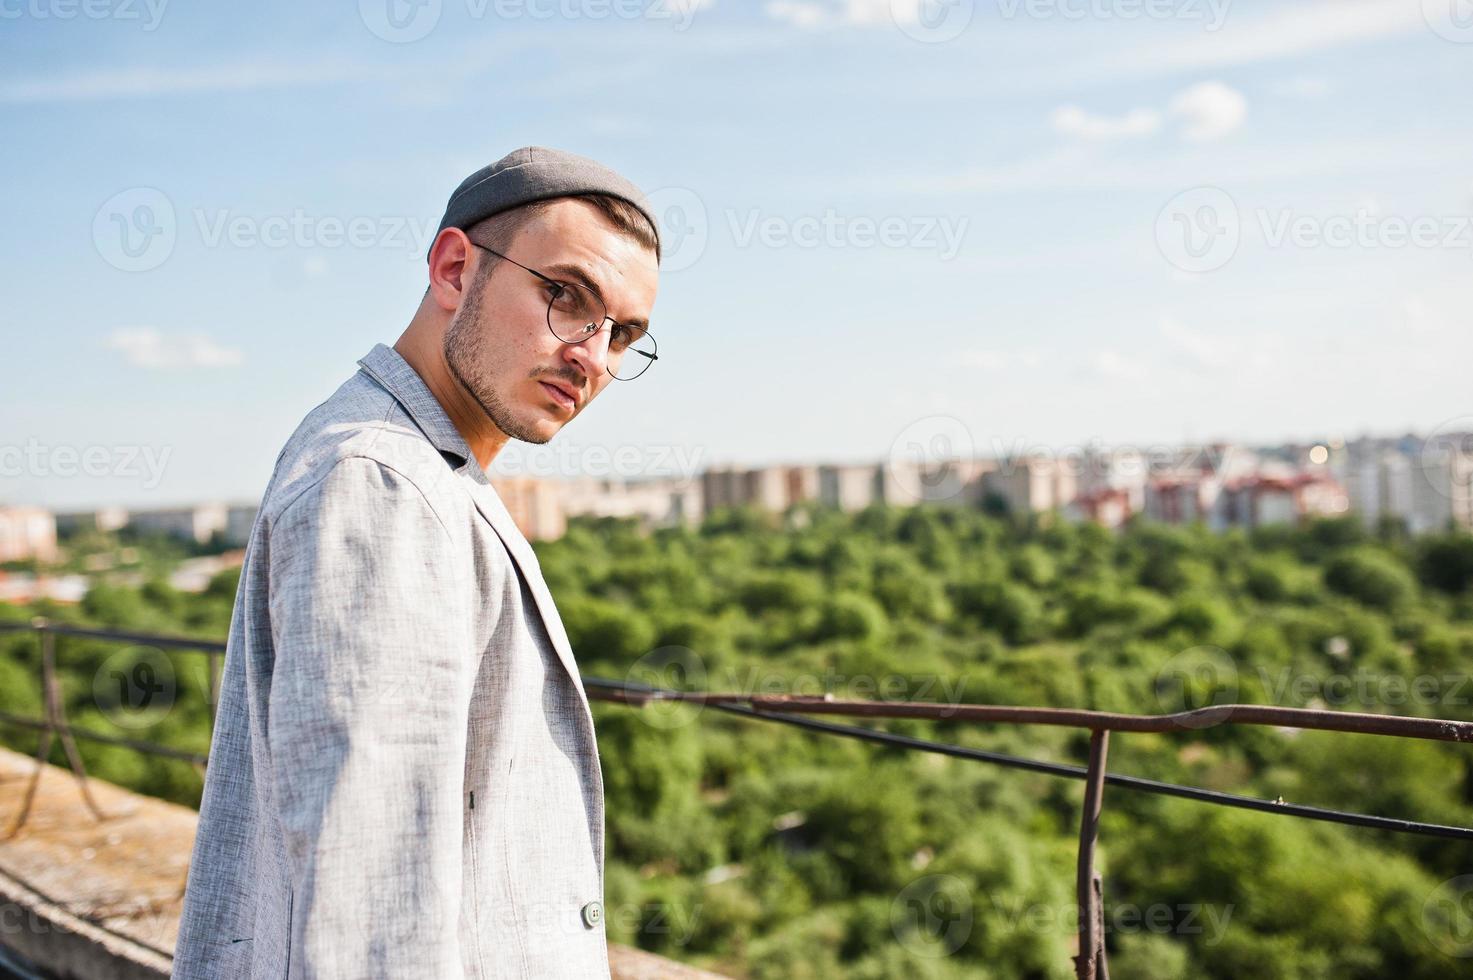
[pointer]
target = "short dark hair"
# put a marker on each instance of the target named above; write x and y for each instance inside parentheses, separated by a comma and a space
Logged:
(499, 230)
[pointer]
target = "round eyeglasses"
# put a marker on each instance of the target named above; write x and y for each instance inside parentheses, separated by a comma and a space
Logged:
(575, 313)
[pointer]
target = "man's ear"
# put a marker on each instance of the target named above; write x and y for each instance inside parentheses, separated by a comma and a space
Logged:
(449, 267)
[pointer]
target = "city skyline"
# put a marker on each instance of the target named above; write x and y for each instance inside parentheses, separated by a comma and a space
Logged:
(560, 461)
(1402, 476)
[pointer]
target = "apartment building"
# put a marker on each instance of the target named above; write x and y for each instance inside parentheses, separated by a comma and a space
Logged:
(26, 533)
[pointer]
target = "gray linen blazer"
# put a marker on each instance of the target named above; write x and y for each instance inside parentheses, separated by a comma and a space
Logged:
(403, 777)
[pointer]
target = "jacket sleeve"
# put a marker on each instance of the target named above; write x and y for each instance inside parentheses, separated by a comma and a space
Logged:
(370, 604)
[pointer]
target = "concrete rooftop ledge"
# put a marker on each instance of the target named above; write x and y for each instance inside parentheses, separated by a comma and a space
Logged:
(100, 900)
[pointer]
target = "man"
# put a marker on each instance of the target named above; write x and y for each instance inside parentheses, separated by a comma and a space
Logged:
(403, 777)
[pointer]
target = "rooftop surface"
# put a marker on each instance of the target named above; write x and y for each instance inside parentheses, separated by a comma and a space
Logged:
(93, 899)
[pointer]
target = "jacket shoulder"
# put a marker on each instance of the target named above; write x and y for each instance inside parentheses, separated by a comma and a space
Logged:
(359, 419)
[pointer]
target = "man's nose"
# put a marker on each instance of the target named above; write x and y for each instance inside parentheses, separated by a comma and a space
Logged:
(592, 352)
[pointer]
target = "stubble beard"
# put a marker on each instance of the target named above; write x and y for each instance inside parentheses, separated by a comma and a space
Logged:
(461, 347)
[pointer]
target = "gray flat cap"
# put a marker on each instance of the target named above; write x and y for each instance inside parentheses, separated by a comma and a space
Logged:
(535, 173)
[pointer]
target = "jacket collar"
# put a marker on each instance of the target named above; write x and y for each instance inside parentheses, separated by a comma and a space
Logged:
(388, 367)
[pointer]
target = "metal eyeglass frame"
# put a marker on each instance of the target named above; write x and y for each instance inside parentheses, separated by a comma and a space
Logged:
(562, 285)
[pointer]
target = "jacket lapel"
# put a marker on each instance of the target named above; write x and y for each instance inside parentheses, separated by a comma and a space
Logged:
(488, 502)
(394, 375)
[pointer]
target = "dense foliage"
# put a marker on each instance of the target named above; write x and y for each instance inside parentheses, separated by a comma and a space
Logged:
(763, 851)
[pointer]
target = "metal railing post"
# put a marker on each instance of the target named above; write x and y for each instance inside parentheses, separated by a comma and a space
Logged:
(1091, 957)
(55, 725)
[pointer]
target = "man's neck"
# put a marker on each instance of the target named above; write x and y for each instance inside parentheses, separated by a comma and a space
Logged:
(465, 413)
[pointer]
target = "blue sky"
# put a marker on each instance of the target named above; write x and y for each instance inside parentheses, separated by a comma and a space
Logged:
(998, 223)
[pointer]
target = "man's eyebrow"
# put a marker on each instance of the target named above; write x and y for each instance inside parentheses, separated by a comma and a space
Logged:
(580, 275)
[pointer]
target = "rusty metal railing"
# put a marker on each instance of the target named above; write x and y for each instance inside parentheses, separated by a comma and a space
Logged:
(1090, 962)
(55, 725)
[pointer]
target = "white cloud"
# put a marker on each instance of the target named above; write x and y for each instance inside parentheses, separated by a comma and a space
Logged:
(146, 347)
(799, 13)
(1287, 32)
(811, 13)
(1074, 121)
(1114, 366)
(1209, 111)
(1305, 87)
(986, 359)
(1206, 111)
(889, 11)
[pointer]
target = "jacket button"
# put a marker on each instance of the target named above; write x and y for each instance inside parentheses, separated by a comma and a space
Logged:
(593, 914)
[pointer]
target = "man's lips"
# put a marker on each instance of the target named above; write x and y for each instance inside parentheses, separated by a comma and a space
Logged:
(560, 395)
